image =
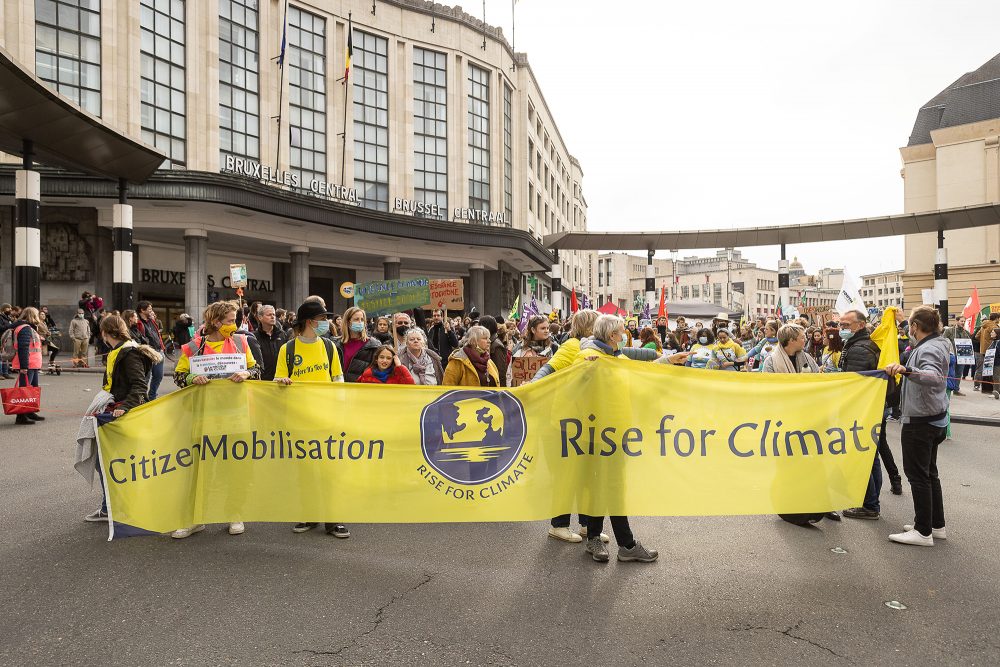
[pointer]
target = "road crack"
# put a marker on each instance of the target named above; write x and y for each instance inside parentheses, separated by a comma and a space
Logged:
(789, 632)
(376, 622)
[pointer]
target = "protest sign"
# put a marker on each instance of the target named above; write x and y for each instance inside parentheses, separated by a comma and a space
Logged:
(524, 368)
(605, 437)
(218, 365)
(448, 294)
(382, 297)
(965, 352)
(238, 275)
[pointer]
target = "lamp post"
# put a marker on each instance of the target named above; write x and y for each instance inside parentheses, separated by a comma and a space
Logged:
(729, 279)
(673, 273)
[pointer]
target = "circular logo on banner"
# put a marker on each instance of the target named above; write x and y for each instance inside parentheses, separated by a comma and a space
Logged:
(472, 436)
(347, 290)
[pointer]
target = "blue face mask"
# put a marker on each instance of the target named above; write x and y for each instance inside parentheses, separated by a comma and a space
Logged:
(845, 334)
(322, 327)
(357, 327)
(703, 340)
(621, 344)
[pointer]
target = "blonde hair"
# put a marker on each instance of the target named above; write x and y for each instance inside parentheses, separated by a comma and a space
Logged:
(788, 333)
(348, 314)
(217, 311)
(582, 323)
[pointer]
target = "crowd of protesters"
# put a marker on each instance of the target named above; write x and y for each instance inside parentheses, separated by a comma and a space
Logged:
(313, 344)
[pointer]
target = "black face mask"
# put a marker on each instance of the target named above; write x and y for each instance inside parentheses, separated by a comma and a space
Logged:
(402, 330)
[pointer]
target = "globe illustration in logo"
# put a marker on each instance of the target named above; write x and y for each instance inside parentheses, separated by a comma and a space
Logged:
(472, 436)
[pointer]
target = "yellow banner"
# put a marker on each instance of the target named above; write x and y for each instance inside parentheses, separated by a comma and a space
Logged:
(609, 437)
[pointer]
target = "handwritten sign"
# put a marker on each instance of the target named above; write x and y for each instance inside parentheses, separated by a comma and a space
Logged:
(238, 275)
(965, 352)
(218, 365)
(522, 369)
(448, 294)
(382, 297)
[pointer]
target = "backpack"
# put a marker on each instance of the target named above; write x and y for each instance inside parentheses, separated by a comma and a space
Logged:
(290, 354)
(7, 345)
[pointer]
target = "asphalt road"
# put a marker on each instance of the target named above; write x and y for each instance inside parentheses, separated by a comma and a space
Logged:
(728, 591)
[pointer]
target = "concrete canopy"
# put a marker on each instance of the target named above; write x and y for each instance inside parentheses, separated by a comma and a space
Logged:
(62, 134)
(841, 230)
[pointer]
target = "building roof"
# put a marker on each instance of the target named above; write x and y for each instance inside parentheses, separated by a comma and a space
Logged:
(973, 97)
(62, 134)
(904, 224)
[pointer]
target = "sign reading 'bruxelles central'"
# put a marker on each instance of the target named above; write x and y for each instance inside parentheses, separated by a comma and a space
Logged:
(266, 174)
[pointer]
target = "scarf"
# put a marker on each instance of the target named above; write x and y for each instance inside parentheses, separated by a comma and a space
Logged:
(381, 376)
(782, 362)
(481, 362)
(418, 365)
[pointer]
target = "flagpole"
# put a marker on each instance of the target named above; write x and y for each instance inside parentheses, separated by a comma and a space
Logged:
(281, 88)
(347, 103)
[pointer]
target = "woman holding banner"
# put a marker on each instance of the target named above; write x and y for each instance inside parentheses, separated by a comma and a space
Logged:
(610, 338)
(218, 337)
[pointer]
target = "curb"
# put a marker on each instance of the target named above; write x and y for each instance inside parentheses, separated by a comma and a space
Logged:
(975, 421)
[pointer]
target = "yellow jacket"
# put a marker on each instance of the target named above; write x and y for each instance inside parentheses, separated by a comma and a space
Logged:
(461, 373)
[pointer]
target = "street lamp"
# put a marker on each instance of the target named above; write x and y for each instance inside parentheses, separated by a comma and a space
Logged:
(729, 278)
(673, 273)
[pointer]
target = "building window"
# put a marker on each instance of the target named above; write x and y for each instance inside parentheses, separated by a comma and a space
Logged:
(68, 49)
(508, 152)
(430, 129)
(307, 95)
(531, 197)
(371, 120)
(239, 102)
(479, 138)
(162, 84)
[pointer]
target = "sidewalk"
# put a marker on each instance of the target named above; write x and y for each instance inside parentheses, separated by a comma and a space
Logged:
(975, 407)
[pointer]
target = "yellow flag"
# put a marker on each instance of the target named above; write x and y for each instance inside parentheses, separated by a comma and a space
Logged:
(886, 336)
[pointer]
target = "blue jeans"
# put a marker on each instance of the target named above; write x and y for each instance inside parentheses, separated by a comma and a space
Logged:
(157, 378)
(874, 486)
(30, 381)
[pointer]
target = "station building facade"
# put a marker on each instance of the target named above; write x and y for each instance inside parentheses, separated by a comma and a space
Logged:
(437, 156)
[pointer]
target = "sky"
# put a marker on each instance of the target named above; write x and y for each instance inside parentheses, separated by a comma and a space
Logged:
(729, 114)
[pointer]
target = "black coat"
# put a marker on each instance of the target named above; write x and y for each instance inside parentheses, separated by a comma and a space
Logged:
(361, 360)
(269, 348)
(860, 353)
(442, 341)
(181, 333)
(131, 375)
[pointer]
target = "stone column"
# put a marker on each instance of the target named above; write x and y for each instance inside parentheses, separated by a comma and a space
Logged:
(783, 283)
(651, 284)
(391, 267)
(300, 275)
(556, 283)
(477, 288)
(122, 291)
(27, 233)
(195, 272)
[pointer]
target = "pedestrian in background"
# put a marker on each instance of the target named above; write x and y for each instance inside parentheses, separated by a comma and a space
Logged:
(79, 333)
(149, 329)
(27, 360)
(924, 406)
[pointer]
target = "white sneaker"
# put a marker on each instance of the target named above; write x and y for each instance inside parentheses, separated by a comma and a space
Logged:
(97, 516)
(912, 537)
(604, 536)
(936, 533)
(565, 534)
(236, 528)
(181, 533)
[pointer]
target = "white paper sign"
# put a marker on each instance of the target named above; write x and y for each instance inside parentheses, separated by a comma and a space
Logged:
(218, 365)
(965, 352)
(927, 296)
(238, 275)
(988, 363)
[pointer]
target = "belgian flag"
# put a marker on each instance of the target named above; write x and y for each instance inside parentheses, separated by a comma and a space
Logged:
(350, 49)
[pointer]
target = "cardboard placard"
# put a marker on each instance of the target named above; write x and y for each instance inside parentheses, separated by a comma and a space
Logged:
(448, 294)
(382, 297)
(522, 369)
(218, 365)
(238, 275)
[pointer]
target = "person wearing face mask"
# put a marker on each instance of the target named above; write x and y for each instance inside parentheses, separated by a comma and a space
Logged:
(218, 336)
(831, 351)
(386, 368)
(79, 333)
(609, 339)
(401, 323)
(727, 352)
(471, 365)
(126, 386)
(702, 355)
(357, 349)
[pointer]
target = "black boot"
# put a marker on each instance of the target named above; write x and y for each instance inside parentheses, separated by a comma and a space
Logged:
(35, 417)
(896, 483)
(23, 419)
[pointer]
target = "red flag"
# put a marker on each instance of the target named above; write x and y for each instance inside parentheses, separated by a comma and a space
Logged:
(971, 310)
(573, 305)
(663, 302)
